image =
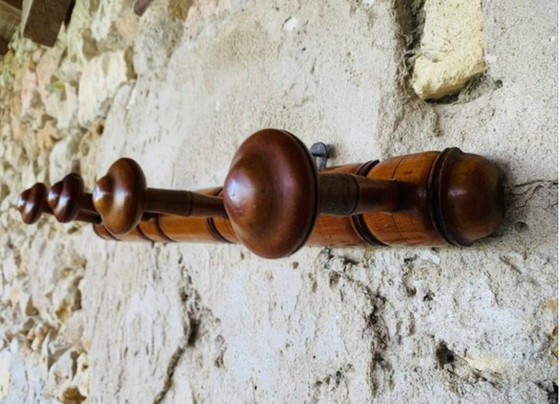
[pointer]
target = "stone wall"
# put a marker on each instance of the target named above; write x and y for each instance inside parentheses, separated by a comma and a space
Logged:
(178, 89)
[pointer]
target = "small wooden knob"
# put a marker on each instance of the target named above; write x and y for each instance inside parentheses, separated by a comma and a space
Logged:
(273, 193)
(122, 198)
(33, 202)
(68, 199)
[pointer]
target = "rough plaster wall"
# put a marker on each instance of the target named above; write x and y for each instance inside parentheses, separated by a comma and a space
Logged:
(176, 323)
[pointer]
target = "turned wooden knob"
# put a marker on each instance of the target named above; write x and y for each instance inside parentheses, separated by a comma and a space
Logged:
(121, 198)
(33, 202)
(68, 200)
(467, 196)
(273, 193)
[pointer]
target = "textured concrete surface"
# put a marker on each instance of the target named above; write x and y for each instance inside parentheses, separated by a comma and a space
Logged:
(84, 319)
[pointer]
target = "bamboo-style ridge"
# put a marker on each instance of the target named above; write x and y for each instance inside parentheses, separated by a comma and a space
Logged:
(274, 201)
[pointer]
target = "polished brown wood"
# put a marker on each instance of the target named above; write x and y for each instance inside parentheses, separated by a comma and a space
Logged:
(447, 198)
(348, 194)
(338, 231)
(189, 229)
(42, 19)
(467, 197)
(193, 229)
(411, 224)
(427, 199)
(133, 235)
(121, 197)
(32, 203)
(67, 199)
(273, 193)
(223, 225)
(277, 201)
(150, 228)
(270, 194)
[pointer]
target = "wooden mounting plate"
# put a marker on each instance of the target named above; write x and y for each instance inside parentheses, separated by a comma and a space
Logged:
(42, 19)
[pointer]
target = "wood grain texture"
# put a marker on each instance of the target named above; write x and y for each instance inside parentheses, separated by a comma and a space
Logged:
(337, 231)
(270, 193)
(10, 18)
(122, 198)
(412, 224)
(273, 194)
(14, 3)
(151, 229)
(193, 229)
(188, 229)
(42, 19)
(467, 197)
(447, 198)
(68, 199)
(4, 46)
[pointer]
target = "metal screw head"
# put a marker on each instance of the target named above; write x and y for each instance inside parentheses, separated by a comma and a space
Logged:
(320, 151)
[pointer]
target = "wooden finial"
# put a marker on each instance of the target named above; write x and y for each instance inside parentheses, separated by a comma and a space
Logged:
(273, 193)
(467, 196)
(68, 201)
(121, 197)
(33, 202)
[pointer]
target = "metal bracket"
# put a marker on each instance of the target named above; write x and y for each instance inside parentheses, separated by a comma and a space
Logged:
(320, 151)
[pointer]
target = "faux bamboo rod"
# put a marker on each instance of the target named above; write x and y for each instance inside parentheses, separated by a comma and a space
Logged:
(274, 201)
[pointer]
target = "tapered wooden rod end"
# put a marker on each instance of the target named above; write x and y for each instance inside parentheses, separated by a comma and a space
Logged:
(119, 196)
(122, 198)
(68, 199)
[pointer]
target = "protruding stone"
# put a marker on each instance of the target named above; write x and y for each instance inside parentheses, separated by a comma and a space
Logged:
(101, 78)
(452, 48)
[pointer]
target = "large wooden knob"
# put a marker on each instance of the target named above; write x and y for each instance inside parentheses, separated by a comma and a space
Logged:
(68, 200)
(270, 193)
(33, 202)
(467, 196)
(121, 198)
(273, 193)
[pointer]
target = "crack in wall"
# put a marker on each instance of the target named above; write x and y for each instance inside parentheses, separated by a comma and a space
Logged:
(199, 325)
(380, 370)
(170, 371)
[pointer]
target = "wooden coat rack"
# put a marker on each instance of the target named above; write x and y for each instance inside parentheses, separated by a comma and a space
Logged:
(274, 201)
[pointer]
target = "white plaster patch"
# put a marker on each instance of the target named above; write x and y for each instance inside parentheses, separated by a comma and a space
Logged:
(101, 78)
(5, 375)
